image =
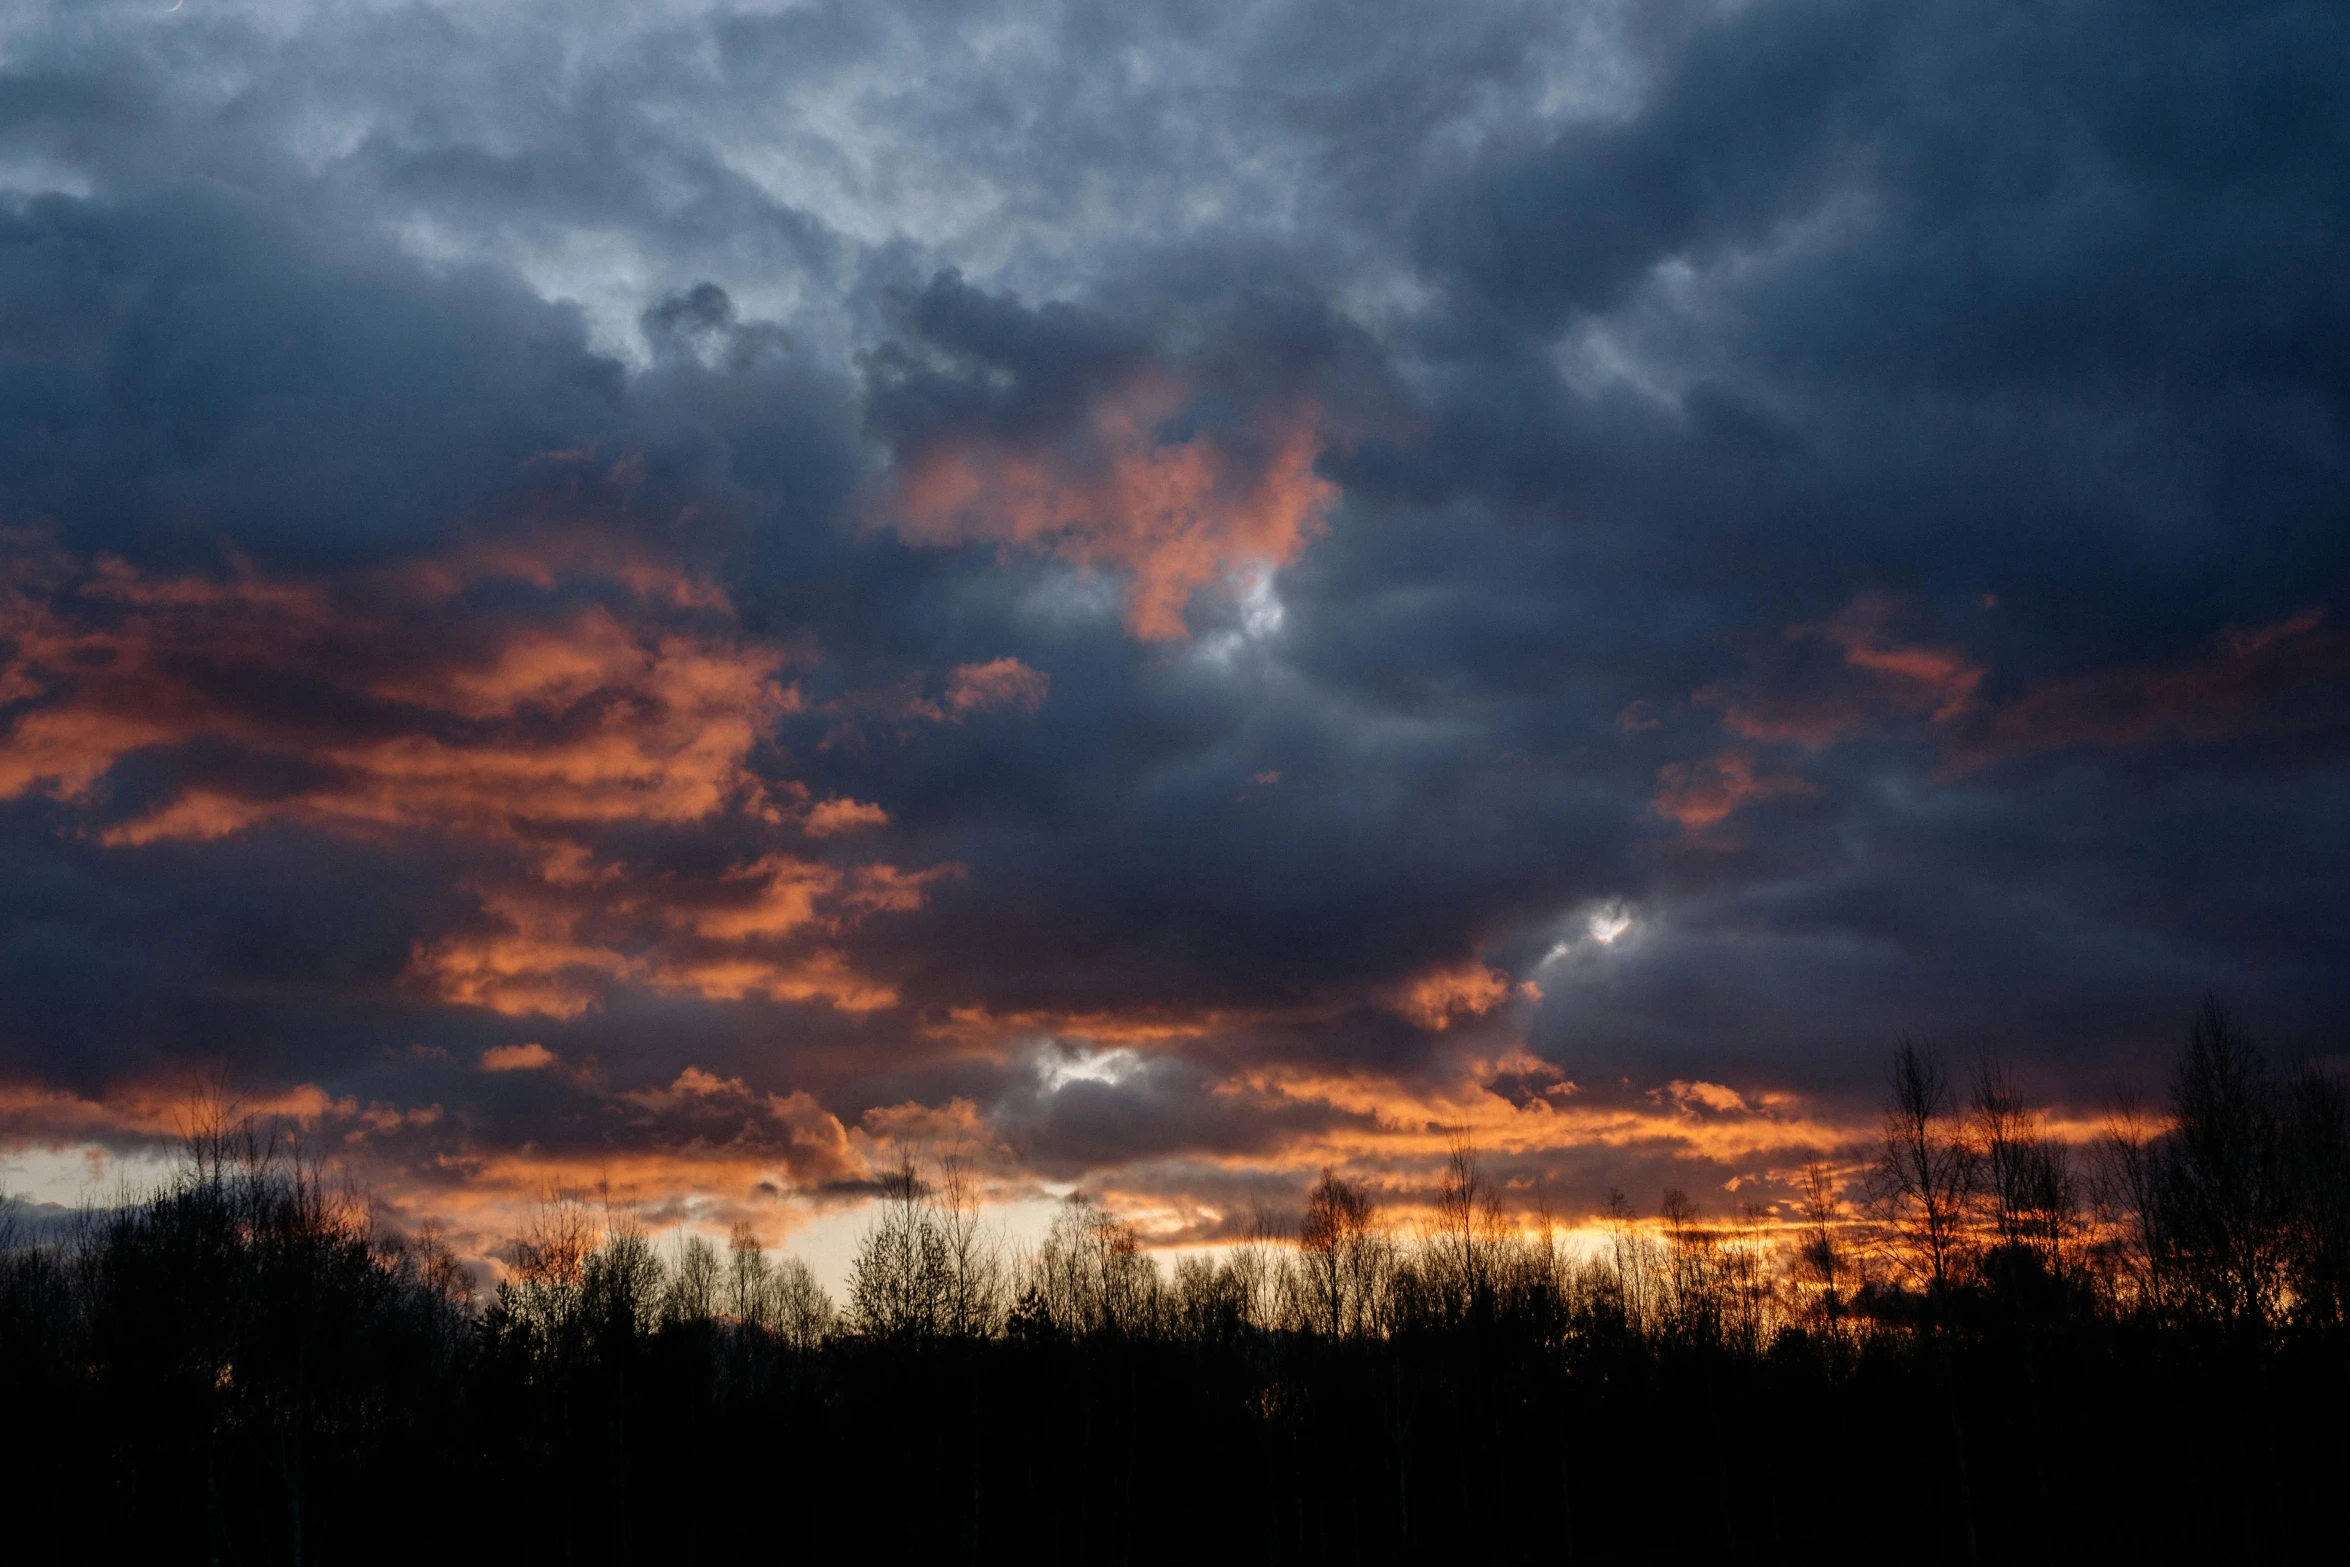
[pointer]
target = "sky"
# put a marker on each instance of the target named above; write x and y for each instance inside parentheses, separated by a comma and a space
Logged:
(1157, 597)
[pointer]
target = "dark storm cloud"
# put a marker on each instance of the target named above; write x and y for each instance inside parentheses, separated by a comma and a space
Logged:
(185, 366)
(811, 565)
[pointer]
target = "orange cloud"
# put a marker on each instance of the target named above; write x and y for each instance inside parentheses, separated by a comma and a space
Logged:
(392, 703)
(1000, 682)
(829, 817)
(386, 1120)
(784, 901)
(1441, 997)
(1700, 796)
(1520, 1113)
(824, 974)
(2263, 683)
(1174, 515)
(197, 816)
(769, 929)
(517, 1058)
(1711, 1096)
(971, 689)
(149, 1111)
(529, 962)
(2270, 682)
(2246, 641)
(957, 1128)
(977, 1026)
(1875, 681)
(709, 1150)
(392, 716)
(707, 1143)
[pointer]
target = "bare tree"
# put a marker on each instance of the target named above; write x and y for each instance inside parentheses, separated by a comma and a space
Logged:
(1633, 1265)
(693, 1291)
(543, 1295)
(1091, 1276)
(927, 1266)
(894, 1280)
(750, 1280)
(1343, 1257)
(1464, 1240)
(1256, 1268)
(2027, 1177)
(2125, 1206)
(1748, 1280)
(2220, 1189)
(803, 1316)
(1925, 1169)
(1820, 1253)
(1209, 1301)
(623, 1285)
(972, 1282)
(1693, 1296)
(2317, 1167)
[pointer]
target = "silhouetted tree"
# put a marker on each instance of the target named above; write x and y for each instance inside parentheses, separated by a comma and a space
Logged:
(1460, 1266)
(2127, 1209)
(2220, 1193)
(897, 1280)
(692, 1294)
(1820, 1249)
(1925, 1169)
(2317, 1174)
(2027, 1180)
(1693, 1302)
(803, 1313)
(750, 1279)
(927, 1266)
(1344, 1257)
(1091, 1276)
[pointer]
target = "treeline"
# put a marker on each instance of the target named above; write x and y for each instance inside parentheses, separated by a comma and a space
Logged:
(1984, 1344)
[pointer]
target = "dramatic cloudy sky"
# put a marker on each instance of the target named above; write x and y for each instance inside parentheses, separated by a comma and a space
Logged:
(1158, 594)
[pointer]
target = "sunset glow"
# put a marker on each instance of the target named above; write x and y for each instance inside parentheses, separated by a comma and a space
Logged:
(1154, 609)
(1138, 783)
